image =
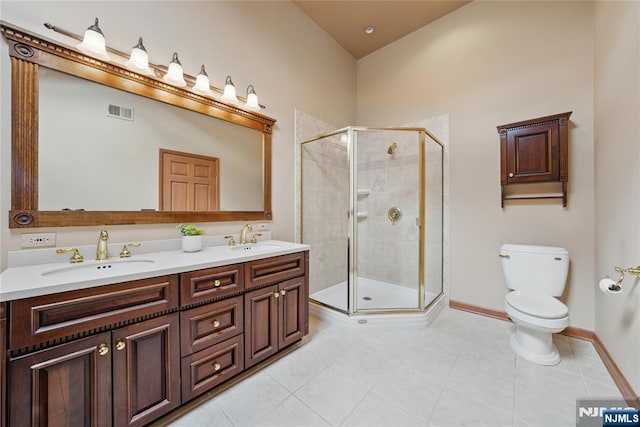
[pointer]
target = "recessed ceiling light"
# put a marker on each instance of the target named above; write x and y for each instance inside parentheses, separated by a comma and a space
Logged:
(369, 29)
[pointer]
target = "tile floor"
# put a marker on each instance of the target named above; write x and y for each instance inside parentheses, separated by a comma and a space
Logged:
(457, 371)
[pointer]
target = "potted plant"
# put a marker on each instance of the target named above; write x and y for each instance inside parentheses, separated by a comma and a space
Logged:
(191, 237)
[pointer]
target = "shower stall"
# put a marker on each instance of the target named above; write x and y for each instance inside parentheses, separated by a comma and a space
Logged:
(372, 211)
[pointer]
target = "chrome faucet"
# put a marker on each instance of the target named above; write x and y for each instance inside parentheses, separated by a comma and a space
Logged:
(243, 233)
(102, 252)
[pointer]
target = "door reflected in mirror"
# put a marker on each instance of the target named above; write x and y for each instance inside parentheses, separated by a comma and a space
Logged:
(99, 150)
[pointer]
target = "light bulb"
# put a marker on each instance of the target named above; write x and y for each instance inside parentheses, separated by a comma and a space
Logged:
(139, 59)
(174, 75)
(202, 83)
(252, 99)
(229, 94)
(94, 43)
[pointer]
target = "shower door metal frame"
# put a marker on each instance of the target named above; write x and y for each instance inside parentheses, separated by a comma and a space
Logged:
(352, 244)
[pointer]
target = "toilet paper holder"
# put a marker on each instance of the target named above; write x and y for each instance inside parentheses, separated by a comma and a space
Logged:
(632, 270)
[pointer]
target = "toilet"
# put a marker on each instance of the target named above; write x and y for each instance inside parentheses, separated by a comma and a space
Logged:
(535, 275)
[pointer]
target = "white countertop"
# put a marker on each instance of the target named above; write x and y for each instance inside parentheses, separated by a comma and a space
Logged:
(29, 281)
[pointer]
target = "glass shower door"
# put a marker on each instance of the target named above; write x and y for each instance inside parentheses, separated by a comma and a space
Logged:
(324, 205)
(387, 213)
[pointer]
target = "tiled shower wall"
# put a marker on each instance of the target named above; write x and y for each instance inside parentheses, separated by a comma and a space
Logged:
(387, 251)
(324, 202)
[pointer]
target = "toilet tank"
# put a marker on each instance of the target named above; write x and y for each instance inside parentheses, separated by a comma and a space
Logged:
(532, 268)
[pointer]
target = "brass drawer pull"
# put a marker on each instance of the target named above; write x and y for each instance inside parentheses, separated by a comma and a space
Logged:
(215, 323)
(276, 295)
(103, 349)
(216, 366)
(282, 292)
(216, 283)
(120, 345)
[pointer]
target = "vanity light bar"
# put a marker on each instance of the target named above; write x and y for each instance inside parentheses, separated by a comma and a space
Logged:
(159, 70)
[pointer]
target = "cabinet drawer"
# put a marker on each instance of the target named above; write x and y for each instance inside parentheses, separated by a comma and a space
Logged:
(207, 368)
(273, 270)
(49, 317)
(210, 324)
(203, 285)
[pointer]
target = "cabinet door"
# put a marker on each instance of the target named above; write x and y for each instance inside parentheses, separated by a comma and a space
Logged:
(146, 370)
(67, 385)
(533, 154)
(261, 324)
(291, 311)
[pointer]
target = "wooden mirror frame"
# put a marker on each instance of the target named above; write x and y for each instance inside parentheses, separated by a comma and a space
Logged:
(28, 52)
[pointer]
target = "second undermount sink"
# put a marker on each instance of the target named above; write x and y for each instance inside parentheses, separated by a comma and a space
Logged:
(99, 268)
(255, 247)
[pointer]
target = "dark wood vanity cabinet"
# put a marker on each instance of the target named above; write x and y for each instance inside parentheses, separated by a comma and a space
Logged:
(66, 385)
(212, 340)
(275, 316)
(128, 353)
(125, 371)
(131, 372)
(146, 370)
(535, 151)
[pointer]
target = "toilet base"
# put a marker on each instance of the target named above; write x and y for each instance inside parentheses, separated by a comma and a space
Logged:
(535, 346)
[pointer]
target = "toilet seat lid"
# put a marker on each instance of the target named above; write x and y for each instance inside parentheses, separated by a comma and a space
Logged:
(538, 305)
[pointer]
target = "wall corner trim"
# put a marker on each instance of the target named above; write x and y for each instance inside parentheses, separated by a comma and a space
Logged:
(621, 382)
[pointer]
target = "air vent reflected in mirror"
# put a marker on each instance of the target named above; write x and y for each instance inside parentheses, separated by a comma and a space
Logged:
(119, 112)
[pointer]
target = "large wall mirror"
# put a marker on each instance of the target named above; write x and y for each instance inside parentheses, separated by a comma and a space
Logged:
(94, 143)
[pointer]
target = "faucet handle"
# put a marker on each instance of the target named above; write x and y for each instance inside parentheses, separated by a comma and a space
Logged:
(125, 249)
(76, 257)
(231, 240)
(254, 238)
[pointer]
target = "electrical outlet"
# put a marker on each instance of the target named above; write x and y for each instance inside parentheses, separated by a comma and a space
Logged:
(262, 226)
(40, 240)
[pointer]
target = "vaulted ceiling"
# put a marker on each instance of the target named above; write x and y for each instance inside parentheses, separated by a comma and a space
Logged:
(346, 21)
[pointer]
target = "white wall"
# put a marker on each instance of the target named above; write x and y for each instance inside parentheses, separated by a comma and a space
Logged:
(487, 64)
(271, 45)
(617, 172)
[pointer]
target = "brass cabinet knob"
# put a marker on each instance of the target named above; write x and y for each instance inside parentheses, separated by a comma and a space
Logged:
(120, 345)
(216, 283)
(282, 292)
(216, 366)
(276, 295)
(215, 323)
(511, 175)
(103, 349)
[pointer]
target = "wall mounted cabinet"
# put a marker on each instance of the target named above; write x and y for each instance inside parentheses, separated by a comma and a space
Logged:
(535, 151)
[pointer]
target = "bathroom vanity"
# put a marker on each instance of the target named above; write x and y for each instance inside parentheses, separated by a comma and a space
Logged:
(128, 349)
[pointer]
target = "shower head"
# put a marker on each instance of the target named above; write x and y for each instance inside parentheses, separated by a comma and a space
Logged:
(392, 148)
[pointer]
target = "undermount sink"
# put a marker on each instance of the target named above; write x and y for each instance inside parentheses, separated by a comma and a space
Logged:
(255, 247)
(118, 266)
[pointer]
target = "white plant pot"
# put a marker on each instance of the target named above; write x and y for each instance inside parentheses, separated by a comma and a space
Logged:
(191, 243)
